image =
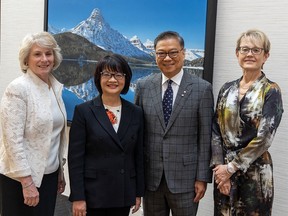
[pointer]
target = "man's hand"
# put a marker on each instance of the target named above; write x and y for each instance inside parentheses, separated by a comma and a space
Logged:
(200, 189)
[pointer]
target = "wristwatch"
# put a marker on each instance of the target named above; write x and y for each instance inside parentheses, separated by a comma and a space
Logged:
(230, 168)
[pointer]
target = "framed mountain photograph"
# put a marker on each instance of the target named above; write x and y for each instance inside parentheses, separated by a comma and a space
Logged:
(86, 31)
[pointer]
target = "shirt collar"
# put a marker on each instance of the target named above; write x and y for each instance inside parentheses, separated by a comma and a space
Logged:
(176, 79)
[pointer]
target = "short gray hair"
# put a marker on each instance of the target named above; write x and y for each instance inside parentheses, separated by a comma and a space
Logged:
(42, 39)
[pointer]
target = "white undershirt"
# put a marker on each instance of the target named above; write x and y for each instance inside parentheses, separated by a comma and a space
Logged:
(117, 112)
(58, 124)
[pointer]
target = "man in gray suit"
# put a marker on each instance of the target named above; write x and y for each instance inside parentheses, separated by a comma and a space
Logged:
(177, 144)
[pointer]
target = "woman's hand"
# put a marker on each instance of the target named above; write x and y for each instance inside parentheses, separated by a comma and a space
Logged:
(221, 174)
(30, 192)
(137, 205)
(79, 208)
(61, 184)
(225, 188)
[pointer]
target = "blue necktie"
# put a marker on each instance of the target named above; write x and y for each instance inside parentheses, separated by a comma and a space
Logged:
(167, 102)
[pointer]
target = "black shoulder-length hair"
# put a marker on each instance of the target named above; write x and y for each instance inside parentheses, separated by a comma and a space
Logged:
(116, 63)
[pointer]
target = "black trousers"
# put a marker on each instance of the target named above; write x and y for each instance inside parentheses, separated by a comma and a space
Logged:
(12, 201)
(124, 211)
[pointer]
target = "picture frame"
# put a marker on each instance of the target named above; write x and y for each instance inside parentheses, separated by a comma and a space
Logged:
(194, 20)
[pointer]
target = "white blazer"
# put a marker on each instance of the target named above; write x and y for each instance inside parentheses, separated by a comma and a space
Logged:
(27, 125)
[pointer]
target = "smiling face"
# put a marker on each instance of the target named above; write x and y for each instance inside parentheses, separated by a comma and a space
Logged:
(170, 66)
(41, 61)
(110, 85)
(250, 62)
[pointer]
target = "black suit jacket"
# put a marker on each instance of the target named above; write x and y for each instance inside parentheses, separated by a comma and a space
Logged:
(105, 167)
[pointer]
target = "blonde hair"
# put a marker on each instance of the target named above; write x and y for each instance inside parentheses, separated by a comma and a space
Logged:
(42, 39)
(255, 35)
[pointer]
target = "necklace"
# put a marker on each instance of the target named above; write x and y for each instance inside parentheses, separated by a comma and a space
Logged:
(243, 88)
(242, 91)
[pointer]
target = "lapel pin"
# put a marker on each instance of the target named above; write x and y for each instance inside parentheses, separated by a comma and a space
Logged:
(183, 93)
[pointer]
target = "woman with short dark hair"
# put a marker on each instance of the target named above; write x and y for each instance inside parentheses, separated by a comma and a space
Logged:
(105, 156)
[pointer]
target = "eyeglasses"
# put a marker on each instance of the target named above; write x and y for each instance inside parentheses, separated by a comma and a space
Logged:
(171, 54)
(108, 75)
(254, 50)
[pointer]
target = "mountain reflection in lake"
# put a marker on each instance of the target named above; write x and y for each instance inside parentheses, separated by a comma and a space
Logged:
(73, 95)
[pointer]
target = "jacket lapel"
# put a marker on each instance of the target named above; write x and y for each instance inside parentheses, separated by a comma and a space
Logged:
(156, 97)
(126, 117)
(103, 120)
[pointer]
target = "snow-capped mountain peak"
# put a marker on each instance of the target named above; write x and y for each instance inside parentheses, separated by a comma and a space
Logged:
(135, 41)
(99, 32)
(149, 44)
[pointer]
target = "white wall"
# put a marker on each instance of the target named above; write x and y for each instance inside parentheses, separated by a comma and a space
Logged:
(233, 17)
(17, 19)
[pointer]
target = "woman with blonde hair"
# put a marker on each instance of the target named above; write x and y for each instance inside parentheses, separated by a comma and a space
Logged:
(33, 120)
(248, 112)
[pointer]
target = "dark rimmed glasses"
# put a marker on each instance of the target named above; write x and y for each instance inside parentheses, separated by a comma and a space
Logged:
(108, 75)
(171, 54)
(254, 50)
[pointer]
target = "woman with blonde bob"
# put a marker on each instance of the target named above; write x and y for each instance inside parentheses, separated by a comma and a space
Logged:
(248, 113)
(33, 121)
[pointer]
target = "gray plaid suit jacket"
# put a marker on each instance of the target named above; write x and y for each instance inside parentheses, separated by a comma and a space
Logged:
(182, 150)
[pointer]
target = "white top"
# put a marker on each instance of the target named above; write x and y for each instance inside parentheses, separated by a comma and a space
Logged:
(58, 124)
(117, 112)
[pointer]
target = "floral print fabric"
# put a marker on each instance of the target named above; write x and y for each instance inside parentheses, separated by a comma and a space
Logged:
(242, 133)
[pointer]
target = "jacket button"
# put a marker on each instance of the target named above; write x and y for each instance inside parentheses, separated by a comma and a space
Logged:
(122, 171)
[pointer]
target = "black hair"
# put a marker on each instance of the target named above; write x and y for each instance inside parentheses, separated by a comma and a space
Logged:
(167, 35)
(113, 62)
